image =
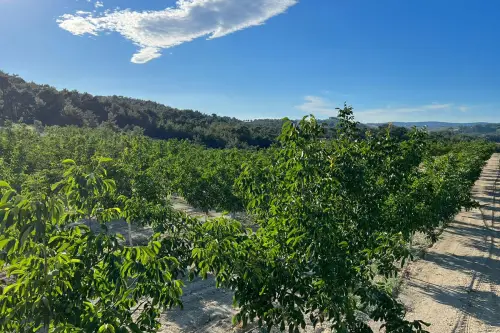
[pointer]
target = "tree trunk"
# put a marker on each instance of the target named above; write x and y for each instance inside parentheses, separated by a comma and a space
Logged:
(130, 233)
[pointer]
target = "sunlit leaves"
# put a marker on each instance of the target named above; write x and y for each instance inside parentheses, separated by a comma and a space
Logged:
(334, 219)
(67, 277)
(333, 216)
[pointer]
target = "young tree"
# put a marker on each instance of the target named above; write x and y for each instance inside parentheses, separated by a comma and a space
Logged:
(67, 277)
(333, 216)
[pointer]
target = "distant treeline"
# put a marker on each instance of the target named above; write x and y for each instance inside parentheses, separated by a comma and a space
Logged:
(43, 105)
(31, 103)
(489, 132)
(455, 131)
(35, 104)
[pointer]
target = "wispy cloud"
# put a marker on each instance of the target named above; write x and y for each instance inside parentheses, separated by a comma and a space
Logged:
(98, 4)
(323, 106)
(153, 31)
(318, 105)
(410, 109)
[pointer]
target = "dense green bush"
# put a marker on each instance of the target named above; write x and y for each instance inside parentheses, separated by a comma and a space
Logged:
(333, 215)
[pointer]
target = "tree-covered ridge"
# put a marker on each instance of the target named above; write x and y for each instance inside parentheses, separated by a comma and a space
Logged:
(490, 132)
(334, 217)
(31, 103)
(28, 102)
(34, 104)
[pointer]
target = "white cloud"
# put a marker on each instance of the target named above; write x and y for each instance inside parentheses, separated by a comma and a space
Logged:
(79, 24)
(318, 105)
(98, 4)
(322, 106)
(410, 109)
(153, 31)
(146, 54)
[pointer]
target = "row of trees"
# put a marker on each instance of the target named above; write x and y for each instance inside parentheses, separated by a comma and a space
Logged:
(154, 168)
(334, 217)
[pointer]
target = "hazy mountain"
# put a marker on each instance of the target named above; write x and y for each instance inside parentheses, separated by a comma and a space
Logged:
(432, 125)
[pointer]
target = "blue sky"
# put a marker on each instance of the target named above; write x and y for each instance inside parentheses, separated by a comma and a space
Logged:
(392, 60)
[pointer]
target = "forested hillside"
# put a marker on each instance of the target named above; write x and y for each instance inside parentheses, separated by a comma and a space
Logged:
(431, 125)
(41, 105)
(334, 220)
(488, 131)
(34, 104)
(28, 102)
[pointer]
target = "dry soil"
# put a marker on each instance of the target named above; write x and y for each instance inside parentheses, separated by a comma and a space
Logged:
(456, 287)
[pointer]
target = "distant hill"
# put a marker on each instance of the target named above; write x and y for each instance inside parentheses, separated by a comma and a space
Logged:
(431, 125)
(488, 131)
(32, 103)
(28, 102)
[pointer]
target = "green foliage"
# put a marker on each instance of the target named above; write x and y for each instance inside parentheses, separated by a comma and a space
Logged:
(68, 277)
(333, 216)
(30, 103)
(38, 105)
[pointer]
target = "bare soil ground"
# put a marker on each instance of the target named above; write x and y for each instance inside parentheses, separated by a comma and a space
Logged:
(456, 287)
(209, 310)
(179, 203)
(206, 309)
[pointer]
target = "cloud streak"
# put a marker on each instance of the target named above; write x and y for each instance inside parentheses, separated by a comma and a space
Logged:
(153, 31)
(322, 106)
(412, 109)
(318, 105)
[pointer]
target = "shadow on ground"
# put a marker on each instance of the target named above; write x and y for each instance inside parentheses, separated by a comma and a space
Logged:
(475, 304)
(205, 309)
(480, 302)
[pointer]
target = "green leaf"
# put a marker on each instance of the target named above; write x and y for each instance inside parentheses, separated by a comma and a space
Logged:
(7, 289)
(4, 243)
(4, 184)
(90, 306)
(134, 328)
(7, 196)
(105, 159)
(106, 328)
(53, 239)
(53, 187)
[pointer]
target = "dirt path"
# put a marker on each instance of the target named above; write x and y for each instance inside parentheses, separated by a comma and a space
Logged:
(456, 287)
(206, 309)
(209, 310)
